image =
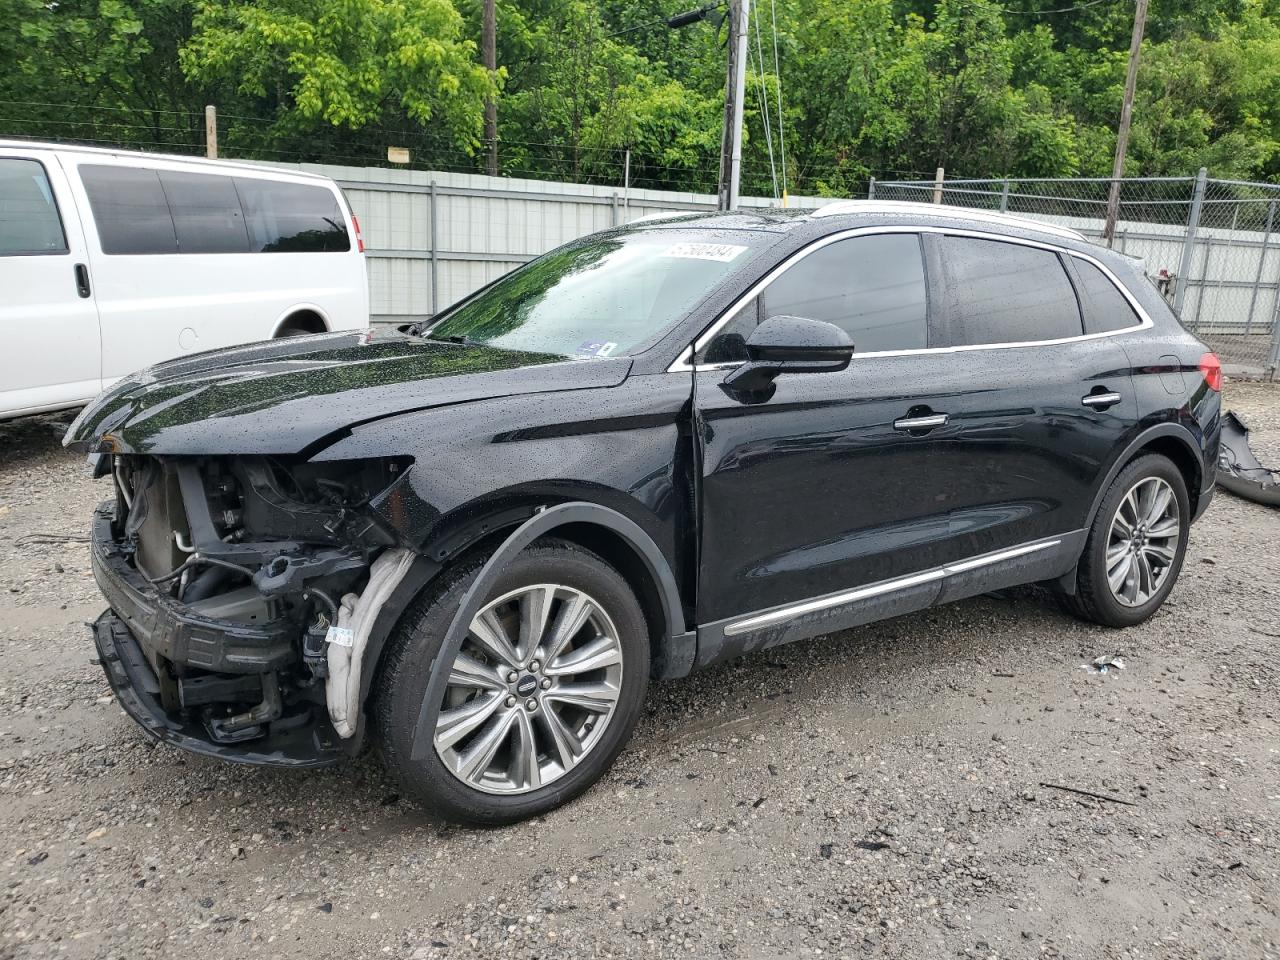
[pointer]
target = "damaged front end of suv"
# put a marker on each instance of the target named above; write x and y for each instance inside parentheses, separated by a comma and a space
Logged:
(276, 509)
(241, 593)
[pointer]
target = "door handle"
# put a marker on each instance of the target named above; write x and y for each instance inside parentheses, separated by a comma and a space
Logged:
(921, 423)
(82, 280)
(1100, 401)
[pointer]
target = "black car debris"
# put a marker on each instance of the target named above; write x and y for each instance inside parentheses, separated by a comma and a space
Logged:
(474, 542)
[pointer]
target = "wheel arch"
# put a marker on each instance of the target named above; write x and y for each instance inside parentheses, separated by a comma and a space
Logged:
(1171, 441)
(302, 316)
(1167, 439)
(600, 527)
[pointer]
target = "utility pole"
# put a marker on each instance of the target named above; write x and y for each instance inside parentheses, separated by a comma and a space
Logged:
(489, 40)
(1126, 116)
(211, 132)
(735, 88)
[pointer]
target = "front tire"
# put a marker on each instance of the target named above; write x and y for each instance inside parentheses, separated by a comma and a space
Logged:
(542, 696)
(1136, 545)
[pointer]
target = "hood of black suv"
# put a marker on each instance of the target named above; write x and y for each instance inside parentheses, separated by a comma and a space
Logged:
(288, 396)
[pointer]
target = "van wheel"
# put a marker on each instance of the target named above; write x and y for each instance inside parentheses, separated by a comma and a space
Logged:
(1135, 547)
(542, 695)
(301, 324)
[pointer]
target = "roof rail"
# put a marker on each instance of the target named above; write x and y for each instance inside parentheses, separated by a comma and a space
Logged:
(13, 143)
(909, 208)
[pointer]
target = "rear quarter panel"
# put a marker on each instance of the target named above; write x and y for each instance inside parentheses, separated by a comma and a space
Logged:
(1168, 384)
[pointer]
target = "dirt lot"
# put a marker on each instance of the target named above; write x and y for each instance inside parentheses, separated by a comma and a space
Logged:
(878, 793)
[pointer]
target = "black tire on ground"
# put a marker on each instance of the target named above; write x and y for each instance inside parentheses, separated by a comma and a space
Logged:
(1093, 599)
(412, 656)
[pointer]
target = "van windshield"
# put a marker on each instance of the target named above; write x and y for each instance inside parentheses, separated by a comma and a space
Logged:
(599, 297)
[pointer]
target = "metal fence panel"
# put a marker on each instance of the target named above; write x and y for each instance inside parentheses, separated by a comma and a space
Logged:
(433, 238)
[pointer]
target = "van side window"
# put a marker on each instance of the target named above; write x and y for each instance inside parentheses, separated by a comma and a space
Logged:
(130, 210)
(1105, 308)
(206, 213)
(292, 217)
(1001, 292)
(29, 222)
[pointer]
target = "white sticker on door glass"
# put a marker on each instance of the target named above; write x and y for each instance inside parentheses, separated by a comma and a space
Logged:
(723, 252)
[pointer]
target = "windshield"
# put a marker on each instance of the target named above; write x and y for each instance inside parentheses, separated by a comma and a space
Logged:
(599, 297)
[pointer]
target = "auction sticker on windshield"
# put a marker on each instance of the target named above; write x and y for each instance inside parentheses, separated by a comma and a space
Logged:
(723, 252)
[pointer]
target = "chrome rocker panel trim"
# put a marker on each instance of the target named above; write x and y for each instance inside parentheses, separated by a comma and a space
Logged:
(1038, 560)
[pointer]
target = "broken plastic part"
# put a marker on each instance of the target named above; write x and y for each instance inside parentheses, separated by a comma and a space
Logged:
(1104, 664)
(1238, 468)
(358, 614)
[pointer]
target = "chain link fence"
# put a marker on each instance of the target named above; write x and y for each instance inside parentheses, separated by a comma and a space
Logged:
(1210, 245)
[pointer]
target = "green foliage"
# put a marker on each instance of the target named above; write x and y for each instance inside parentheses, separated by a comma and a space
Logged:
(881, 88)
(344, 61)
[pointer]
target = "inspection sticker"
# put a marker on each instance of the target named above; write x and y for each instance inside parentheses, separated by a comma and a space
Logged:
(723, 252)
(595, 348)
(341, 636)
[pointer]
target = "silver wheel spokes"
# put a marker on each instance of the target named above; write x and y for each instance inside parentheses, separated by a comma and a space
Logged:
(1143, 541)
(531, 690)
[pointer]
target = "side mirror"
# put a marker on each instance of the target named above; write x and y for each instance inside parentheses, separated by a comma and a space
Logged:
(791, 345)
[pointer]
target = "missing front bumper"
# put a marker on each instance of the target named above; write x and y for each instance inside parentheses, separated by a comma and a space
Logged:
(304, 740)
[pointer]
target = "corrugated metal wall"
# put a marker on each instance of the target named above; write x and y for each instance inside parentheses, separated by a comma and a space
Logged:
(432, 238)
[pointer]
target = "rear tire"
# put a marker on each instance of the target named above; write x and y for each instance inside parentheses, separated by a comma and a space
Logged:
(1136, 545)
(553, 740)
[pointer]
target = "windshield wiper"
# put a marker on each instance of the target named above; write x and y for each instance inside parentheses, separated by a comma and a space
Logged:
(451, 338)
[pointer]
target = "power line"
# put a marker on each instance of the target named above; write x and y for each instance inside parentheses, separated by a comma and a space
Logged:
(763, 97)
(777, 74)
(1037, 13)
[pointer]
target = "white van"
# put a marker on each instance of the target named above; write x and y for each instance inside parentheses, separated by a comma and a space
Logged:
(111, 261)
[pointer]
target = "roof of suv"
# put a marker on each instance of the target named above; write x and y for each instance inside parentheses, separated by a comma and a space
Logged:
(860, 212)
(221, 165)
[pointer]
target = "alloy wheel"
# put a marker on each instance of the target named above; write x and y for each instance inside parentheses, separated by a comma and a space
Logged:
(1143, 541)
(531, 690)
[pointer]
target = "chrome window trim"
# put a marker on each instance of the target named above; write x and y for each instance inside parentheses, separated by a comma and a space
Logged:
(773, 618)
(684, 362)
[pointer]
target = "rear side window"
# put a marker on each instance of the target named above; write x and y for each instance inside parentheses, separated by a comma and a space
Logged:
(1006, 293)
(292, 217)
(130, 210)
(206, 213)
(151, 212)
(29, 222)
(1104, 307)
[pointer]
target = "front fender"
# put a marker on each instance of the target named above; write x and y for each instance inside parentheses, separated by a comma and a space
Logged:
(680, 643)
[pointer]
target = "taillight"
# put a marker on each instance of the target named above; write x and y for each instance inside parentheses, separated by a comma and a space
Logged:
(1211, 370)
(359, 239)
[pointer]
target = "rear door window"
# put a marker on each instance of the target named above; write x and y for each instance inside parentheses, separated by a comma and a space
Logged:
(292, 217)
(29, 222)
(1105, 307)
(206, 213)
(129, 209)
(1000, 292)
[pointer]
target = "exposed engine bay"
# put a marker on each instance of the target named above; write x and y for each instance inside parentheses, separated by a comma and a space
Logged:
(248, 585)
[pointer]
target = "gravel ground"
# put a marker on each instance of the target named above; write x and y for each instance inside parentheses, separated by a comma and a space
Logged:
(877, 793)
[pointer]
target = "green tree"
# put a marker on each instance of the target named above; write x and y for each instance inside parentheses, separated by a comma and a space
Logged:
(348, 63)
(99, 70)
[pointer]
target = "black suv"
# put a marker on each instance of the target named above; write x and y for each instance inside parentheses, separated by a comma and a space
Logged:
(475, 542)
